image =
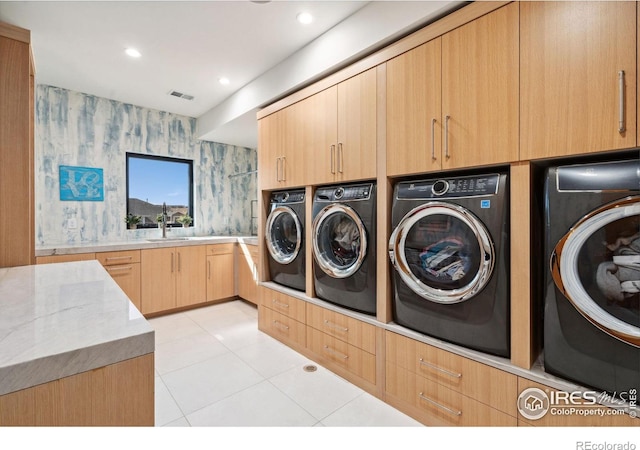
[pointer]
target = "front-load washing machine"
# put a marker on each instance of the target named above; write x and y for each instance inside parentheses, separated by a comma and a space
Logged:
(344, 245)
(592, 281)
(284, 236)
(449, 250)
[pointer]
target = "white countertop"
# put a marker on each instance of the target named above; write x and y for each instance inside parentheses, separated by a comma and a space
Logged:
(136, 244)
(58, 320)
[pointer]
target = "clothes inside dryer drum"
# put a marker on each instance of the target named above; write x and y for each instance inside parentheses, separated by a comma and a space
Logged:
(340, 240)
(442, 252)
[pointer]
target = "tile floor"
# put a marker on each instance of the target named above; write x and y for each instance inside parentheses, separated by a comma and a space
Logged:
(215, 368)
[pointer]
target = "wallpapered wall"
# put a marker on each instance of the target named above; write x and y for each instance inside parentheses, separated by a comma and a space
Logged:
(76, 129)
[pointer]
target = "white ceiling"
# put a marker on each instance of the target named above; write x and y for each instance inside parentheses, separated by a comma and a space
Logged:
(187, 46)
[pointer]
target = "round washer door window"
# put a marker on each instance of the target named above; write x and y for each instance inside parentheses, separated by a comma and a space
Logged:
(339, 240)
(442, 252)
(283, 234)
(596, 265)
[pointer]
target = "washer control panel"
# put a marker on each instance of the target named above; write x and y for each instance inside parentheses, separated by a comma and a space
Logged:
(344, 193)
(287, 197)
(470, 186)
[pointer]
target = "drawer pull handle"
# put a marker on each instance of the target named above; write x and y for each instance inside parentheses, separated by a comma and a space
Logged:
(279, 304)
(447, 372)
(117, 258)
(449, 410)
(330, 350)
(115, 269)
(280, 325)
(335, 327)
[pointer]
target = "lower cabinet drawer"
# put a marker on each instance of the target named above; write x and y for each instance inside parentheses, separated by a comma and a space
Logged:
(481, 382)
(284, 304)
(434, 404)
(345, 328)
(346, 356)
(282, 327)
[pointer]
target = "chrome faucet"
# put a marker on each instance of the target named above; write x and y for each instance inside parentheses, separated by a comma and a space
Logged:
(164, 220)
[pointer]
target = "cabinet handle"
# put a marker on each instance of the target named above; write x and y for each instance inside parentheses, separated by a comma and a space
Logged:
(335, 327)
(179, 263)
(116, 269)
(279, 304)
(208, 270)
(284, 168)
(172, 265)
(433, 140)
(280, 325)
(433, 402)
(621, 116)
(446, 136)
(117, 258)
(333, 162)
(340, 157)
(332, 351)
(278, 168)
(446, 372)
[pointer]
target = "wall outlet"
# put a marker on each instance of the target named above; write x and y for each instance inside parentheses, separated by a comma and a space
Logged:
(72, 223)
(226, 221)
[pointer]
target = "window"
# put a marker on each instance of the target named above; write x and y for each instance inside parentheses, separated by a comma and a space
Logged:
(154, 180)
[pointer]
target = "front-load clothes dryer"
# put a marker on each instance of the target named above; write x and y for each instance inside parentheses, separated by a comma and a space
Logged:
(284, 236)
(592, 281)
(344, 245)
(449, 250)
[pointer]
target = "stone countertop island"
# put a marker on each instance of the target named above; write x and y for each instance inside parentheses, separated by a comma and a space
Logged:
(73, 349)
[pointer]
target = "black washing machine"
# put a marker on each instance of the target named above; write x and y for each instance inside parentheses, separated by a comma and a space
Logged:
(284, 236)
(449, 249)
(592, 281)
(344, 245)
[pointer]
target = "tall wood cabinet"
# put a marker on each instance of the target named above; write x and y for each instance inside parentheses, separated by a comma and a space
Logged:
(453, 101)
(17, 224)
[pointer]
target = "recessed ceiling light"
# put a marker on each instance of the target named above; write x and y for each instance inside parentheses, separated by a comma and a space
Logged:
(305, 18)
(133, 52)
(223, 80)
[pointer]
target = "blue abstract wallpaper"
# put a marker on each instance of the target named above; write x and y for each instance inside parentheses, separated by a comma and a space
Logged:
(76, 129)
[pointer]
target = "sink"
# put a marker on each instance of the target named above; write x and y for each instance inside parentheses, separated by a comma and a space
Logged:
(171, 239)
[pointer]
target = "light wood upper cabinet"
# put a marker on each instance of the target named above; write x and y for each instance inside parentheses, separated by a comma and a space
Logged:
(480, 63)
(340, 131)
(572, 93)
(414, 101)
(280, 155)
(453, 101)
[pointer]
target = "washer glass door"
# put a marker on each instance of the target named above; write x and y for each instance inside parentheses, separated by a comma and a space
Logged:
(283, 234)
(442, 252)
(339, 240)
(596, 265)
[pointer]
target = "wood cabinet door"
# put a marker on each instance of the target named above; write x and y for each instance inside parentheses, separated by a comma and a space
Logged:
(480, 90)
(572, 53)
(319, 128)
(191, 275)
(356, 141)
(158, 279)
(128, 278)
(248, 273)
(270, 149)
(414, 100)
(220, 277)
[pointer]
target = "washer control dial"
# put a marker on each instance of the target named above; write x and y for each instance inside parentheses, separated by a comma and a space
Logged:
(440, 187)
